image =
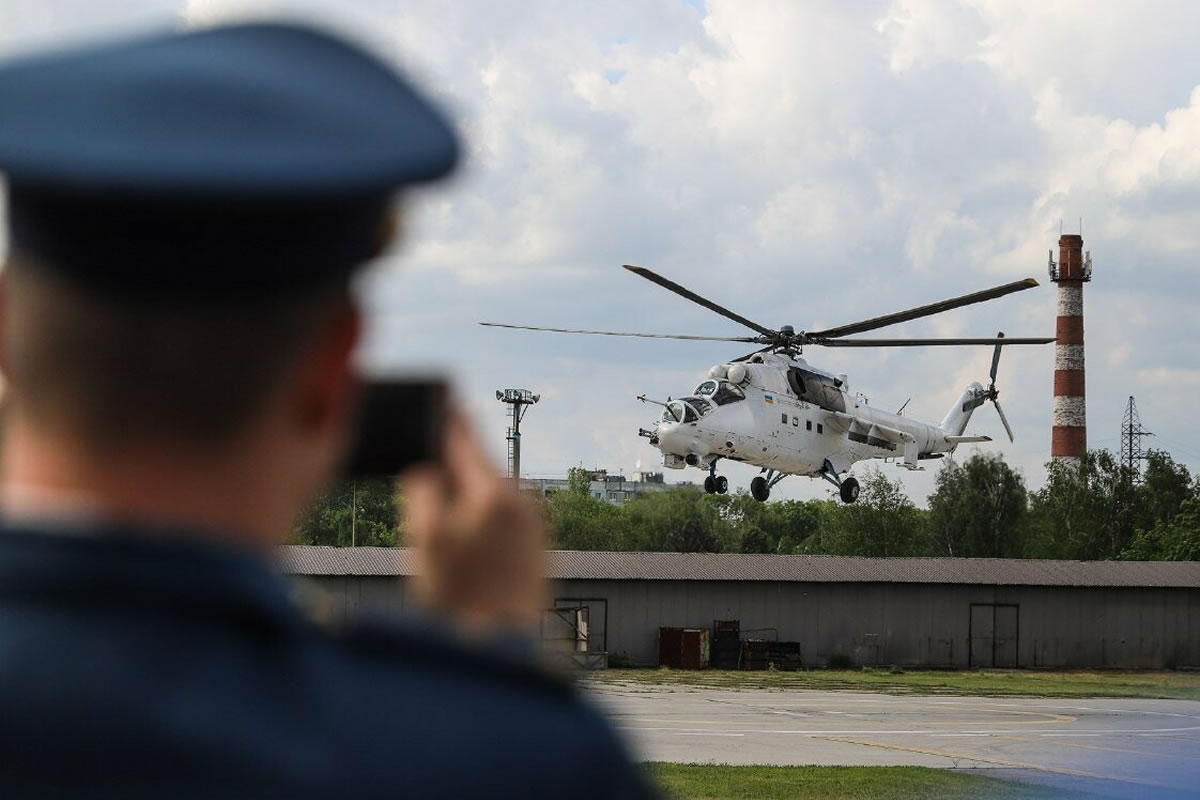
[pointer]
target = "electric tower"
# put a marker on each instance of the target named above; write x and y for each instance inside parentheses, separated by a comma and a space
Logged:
(1132, 432)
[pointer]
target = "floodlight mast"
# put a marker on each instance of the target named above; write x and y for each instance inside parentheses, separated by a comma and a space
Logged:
(518, 402)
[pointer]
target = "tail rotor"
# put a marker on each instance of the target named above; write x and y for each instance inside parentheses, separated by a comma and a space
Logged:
(993, 393)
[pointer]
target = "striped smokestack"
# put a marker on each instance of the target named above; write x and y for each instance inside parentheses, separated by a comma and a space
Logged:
(1068, 441)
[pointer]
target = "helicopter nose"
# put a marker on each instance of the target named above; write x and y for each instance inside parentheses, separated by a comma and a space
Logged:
(670, 438)
(681, 441)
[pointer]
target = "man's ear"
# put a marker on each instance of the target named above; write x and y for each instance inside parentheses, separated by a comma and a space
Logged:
(327, 389)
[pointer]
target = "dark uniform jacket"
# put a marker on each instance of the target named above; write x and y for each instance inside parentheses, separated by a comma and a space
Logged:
(134, 666)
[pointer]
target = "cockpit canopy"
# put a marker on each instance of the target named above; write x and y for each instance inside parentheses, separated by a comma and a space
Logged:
(720, 392)
(709, 395)
(686, 409)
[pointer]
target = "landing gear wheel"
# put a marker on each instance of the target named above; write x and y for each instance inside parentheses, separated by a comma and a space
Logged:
(722, 484)
(759, 489)
(849, 490)
(710, 485)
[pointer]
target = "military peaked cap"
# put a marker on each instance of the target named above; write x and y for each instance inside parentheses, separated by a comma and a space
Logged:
(219, 162)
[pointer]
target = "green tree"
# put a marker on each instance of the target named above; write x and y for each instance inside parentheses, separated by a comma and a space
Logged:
(748, 525)
(578, 521)
(978, 510)
(1084, 511)
(812, 527)
(883, 522)
(579, 481)
(1177, 540)
(741, 516)
(682, 520)
(1166, 485)
(362, 512)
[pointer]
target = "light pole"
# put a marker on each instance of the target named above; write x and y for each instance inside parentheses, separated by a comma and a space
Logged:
(518, 401)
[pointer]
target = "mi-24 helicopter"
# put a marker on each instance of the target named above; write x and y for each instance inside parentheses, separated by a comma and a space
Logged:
(772, 409)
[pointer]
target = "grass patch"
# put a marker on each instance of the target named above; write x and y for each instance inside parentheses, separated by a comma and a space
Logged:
(988, 683)
(719, 782)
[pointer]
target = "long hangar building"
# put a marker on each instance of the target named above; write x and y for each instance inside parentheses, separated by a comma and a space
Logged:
(938, 612)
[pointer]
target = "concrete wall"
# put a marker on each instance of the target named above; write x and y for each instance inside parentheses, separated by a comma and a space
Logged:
(903, 624)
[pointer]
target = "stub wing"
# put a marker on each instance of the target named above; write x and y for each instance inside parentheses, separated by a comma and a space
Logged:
(967, 439)
(867, 432)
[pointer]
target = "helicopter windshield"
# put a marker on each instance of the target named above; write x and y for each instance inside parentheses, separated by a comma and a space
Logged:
(702, 406)
(677, 411)
(720, 392)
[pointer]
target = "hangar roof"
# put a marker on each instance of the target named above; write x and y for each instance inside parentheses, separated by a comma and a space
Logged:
(578, 565)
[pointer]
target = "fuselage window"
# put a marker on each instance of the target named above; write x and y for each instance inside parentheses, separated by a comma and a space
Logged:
(808, 424)
(820, 428)
(783, 418)
(795, 422)
(673, 412)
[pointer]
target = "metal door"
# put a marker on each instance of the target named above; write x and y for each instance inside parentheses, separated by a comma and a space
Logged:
(994, 633)
(1004, 647)
(982, 632)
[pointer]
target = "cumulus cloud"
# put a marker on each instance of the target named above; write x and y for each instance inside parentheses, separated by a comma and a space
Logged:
(805, 164)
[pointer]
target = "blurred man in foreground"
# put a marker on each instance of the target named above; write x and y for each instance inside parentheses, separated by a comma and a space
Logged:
(176, 331)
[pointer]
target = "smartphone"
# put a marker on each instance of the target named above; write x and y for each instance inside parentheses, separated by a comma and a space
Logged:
(400, 423)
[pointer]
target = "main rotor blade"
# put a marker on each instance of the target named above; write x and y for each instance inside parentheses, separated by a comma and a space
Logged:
(996, 359)
(622, 333)
(925, 342)
(653, 276)
(1004, 419)
(925, 311)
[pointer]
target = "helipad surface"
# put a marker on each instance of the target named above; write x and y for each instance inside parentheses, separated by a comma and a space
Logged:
(1122, 748)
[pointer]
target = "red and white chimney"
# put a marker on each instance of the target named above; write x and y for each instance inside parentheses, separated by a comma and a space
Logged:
(1068, 441)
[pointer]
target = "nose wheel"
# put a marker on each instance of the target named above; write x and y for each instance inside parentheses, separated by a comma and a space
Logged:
(714, 483)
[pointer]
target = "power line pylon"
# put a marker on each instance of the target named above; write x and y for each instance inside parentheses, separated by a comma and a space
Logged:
(1132, 433)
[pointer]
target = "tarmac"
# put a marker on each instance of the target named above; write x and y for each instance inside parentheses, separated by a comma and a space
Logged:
(1111, 748)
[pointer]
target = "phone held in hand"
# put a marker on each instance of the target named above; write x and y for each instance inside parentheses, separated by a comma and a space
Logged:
(401, 423)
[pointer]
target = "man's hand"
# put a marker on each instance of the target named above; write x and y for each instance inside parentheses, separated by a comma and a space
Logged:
(480, 546)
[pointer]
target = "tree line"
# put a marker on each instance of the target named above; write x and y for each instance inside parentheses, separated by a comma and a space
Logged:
(980, 508)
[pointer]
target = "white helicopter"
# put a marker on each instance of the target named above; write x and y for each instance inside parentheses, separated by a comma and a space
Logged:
(773, 410)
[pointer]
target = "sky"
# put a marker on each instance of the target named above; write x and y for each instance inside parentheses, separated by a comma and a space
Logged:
(804, 163)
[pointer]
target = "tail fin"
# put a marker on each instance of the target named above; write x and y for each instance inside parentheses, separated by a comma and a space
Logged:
(960, 414)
